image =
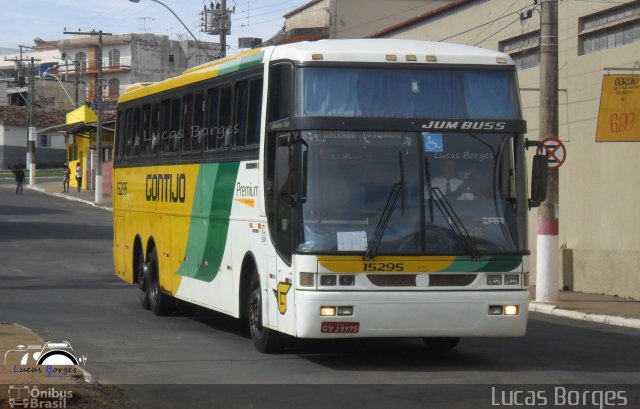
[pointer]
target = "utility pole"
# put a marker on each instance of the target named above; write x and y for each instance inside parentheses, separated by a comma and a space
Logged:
(223, 29)
(547, 277)
(100, 108)
(31, 116)
(215, 20)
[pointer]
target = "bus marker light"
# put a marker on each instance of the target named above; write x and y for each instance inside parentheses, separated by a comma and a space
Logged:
(307, 279)
(511, 309)
(345, 311)
(495, 310)
(327, 311)
(501, 60)
(391, 57)
(494, 279)
(432, 58)
(512, 279)
(327, 279)
(317, 57)
(411, 57)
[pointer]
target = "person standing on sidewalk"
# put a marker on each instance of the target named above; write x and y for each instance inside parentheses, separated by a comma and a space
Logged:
(19, 179)
(66, 172)
(79, 176)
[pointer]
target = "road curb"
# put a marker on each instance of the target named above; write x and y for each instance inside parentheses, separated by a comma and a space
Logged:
(584, 316)
(75, 199)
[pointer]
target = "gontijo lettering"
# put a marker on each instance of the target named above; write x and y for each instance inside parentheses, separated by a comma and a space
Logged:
(166, 187)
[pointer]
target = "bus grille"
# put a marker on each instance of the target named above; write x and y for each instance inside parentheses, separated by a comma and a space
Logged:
(409, 280)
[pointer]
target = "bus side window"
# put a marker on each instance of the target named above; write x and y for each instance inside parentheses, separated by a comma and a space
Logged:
(187, 128)
(146, 136)
(212, 117)
(225, 129)
(242, 104)
(198, 122)
(255, 112)
(128, 134)
(154, 131)
(175, 133)
(280, 94)
(166, 125)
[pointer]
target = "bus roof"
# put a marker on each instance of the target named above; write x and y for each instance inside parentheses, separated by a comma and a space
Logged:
(358, 50)
(384, 50)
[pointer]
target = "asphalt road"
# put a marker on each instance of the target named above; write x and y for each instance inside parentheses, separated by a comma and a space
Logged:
(56, 277)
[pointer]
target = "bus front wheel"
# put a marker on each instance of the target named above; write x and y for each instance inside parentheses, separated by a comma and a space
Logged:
(264, 339)
(441, 343)
(160, 303)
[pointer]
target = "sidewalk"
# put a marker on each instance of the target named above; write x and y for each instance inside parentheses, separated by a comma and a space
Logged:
(602, 309)
(53, 186)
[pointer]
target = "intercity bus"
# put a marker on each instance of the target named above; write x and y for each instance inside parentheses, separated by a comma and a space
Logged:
(298, 187)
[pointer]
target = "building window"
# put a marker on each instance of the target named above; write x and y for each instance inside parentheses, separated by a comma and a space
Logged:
(171, 58)
(44, 141)
(610, 28)
(114, 88)
(114, 58)
(82, 59)
(524, 49)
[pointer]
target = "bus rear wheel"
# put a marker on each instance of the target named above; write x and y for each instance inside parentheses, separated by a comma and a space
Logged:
(441, 343)
(160, 303)
(264, 339)
(141, 273)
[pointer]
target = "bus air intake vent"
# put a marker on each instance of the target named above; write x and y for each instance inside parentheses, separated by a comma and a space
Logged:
(392, 280)
(451, 280)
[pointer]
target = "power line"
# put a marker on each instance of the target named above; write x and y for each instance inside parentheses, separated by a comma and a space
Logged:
(484, 24)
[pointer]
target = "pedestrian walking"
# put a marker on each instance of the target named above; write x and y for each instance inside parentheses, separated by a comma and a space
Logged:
(66, 172)
(79, 176)
(19, 173)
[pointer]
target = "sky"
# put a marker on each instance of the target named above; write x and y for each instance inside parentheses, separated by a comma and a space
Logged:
(23, 20)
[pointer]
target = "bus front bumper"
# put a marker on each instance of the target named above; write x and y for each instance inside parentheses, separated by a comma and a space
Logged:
(411, 314)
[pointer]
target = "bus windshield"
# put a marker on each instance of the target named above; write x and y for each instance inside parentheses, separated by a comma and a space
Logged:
(348, 176)
(407, 93)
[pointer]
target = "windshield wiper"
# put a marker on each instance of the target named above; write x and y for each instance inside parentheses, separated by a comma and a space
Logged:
(398, 187)
(458, 227)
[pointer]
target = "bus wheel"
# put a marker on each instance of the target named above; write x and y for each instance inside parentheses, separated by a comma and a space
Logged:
(141, 274)
(160, 304)
(441, 343)
(264, 339)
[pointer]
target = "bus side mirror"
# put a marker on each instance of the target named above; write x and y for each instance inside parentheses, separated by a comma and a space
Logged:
(539, 176)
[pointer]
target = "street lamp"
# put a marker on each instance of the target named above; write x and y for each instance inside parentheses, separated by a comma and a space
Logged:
(66, 58)
(181, 22)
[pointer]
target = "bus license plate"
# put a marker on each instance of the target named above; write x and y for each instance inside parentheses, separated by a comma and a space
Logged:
(340, 327)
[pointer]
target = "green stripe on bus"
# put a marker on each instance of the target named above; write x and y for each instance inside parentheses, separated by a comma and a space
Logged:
(214, 193)
(494, 264)
(242, 63)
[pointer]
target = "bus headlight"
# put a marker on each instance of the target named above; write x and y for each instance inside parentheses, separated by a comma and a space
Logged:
(512, 279)
(494, 279)
(511, 309)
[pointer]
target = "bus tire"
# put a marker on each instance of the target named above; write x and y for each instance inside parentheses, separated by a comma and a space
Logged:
(264, 339)
(160, 303)
(141, 273)
(441, 343)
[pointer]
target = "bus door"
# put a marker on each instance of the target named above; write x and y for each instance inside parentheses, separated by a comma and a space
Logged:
(284, 185)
